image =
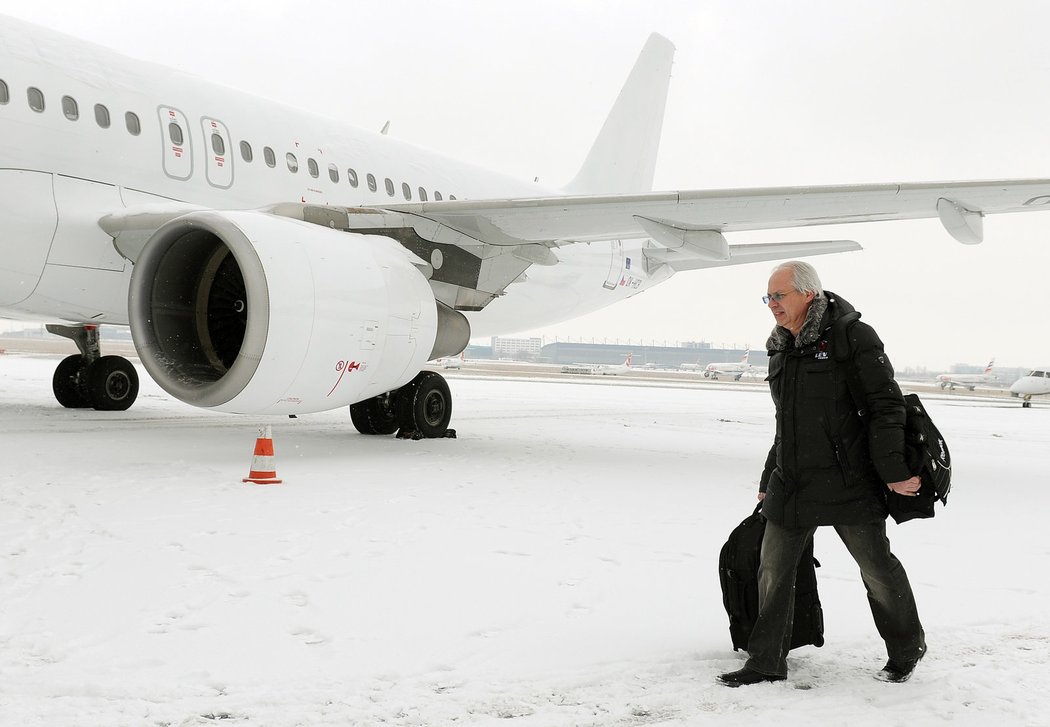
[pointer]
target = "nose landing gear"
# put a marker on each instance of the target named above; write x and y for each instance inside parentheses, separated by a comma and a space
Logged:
(89, 380)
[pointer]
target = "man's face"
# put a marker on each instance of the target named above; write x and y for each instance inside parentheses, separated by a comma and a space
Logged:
(790, 311)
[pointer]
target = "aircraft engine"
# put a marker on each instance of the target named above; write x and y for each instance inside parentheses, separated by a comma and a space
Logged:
(250, 313)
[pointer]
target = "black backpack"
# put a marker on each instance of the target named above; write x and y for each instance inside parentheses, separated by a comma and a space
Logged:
(738, 573)
(927, 455)
(926, 452)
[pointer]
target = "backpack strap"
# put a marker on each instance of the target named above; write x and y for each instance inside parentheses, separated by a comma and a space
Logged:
(843, 346)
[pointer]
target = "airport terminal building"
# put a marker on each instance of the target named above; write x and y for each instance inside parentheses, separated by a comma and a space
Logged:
(698, 354)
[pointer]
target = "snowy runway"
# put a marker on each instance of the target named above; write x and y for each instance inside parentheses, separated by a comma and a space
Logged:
(554, 565)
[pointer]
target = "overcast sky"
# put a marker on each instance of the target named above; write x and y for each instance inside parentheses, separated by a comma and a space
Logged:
(763, 93)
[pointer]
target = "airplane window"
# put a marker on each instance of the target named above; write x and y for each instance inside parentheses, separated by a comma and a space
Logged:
(246, 151)
(452, 196)
(174, 131)
(333, 172)
(102, 116)
(311, 164)
(371, 182)
(422, 195)
(131, 120)
(437, 196)
(4, 94)
(36, 99)
(70, 108)
(293, 163)
(389, 187)
(269, 156)
(406, 190)
(351, 177)
(218, 145)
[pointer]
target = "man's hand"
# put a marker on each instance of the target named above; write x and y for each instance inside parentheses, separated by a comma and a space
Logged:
(761, 496)
(909, 487)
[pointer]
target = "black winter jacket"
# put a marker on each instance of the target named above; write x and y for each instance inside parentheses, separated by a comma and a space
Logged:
(832, 457)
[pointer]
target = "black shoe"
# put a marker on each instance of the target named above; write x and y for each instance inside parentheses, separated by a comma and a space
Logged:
(747, 676)
(898, 672)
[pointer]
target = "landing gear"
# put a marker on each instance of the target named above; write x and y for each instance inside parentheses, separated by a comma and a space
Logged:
(421, 409)
(1027, 403)
(90, 380)
(424, 405)
(376, 415)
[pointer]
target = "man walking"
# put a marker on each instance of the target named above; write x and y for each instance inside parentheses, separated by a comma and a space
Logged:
(832, 461)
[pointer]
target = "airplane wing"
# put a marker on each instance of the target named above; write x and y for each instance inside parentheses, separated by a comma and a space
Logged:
(589, 218)
(690, 225)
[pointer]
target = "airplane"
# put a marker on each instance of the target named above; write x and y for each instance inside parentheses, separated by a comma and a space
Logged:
(615, 369)
(449, 362)
(269, 261)
(1037, 382)
(602, 369)
(736, 369)
(969, 381)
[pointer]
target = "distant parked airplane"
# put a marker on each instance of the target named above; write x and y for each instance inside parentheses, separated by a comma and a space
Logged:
(969, 381)
(615, 369)
(736, 369)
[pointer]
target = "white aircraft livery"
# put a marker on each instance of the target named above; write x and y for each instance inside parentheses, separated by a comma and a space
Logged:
(736, 369)
(269, 261)
(1036, 383)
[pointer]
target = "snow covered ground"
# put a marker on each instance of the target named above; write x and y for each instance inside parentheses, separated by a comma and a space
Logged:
(555, 565)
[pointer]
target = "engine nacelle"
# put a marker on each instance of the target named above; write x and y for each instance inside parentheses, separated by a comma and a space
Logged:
(250, 313)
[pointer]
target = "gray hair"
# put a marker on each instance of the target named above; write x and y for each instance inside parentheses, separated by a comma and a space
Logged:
(804, 277)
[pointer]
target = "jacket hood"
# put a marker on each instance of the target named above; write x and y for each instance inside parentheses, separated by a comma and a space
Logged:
(822, 313)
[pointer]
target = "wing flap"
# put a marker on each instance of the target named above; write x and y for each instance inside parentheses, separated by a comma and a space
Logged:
(741, 254)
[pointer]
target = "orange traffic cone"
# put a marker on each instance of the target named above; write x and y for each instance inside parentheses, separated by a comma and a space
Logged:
(263, 471)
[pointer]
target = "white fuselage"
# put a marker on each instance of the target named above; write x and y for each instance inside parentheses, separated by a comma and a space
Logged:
(85, 132)
(1035, 383)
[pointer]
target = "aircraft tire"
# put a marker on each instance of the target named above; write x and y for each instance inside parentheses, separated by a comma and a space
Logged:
(69, 383)
(424, 406)
(112, 383)
(377, 415)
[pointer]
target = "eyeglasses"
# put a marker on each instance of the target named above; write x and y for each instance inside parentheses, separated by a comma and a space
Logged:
(776, 296)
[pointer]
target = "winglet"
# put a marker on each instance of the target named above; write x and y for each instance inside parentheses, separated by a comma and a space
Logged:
(623, 157)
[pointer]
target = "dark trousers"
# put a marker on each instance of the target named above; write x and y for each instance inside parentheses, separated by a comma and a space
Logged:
(889, 594)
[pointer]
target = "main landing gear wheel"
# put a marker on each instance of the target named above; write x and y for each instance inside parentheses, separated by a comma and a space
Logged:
(421, 409)
(376, 415)
(424, 406)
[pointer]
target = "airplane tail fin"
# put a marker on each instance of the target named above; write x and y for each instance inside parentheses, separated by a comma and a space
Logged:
(623, 157)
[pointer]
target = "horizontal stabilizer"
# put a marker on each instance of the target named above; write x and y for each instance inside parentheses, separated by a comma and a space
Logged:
(741, 254)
